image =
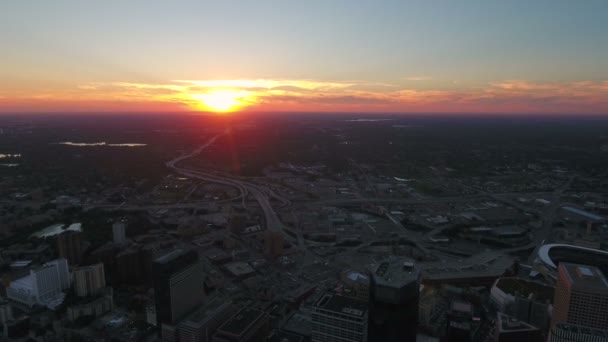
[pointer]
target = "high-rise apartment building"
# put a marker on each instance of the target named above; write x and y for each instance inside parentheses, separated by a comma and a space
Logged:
(393, 301)
(338, 318)
(43, 286)
(69, 246)
(89, 280)
(581, 296)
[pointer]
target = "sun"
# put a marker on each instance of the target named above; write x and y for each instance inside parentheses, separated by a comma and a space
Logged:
(220, 101)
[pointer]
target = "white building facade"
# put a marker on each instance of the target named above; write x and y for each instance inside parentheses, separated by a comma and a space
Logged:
(44, 286)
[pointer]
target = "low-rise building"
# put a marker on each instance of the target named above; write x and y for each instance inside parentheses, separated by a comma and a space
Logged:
(204, 322)
(248, 325)
(509, 329)
(239, 269)
(356, 284)
(528, 301)
(94, 307)
(283, 336)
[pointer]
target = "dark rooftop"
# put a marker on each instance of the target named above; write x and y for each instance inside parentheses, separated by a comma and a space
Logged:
(507, 323)
(241, 322)
(583, 275)
(461, 306)
(283, 336)
(171, 255)
(342, 304)
(525, 288)
(565, 328)
(396, 272)
(208, 310)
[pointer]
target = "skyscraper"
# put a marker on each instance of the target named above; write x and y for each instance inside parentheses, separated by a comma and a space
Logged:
(178, 285)
(68, 246)
(338, 318)
(89, 280)
(581, 296)
(393, 301)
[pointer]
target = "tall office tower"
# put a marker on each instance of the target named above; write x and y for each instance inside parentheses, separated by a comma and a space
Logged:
(338, 318)
(119, 232)
(564, 332)
(203, 323)
(248, 325)
(393, 301)
(89, 280)
(581, 296)
(178, 285)
(43, 286)
(68, 246)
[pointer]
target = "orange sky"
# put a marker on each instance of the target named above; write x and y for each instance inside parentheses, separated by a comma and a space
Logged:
(309, 95)
(517, 56)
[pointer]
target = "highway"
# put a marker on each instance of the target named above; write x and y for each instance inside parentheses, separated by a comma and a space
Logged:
(263, 194)
(271, 220)
(379, 201)
(548, 218)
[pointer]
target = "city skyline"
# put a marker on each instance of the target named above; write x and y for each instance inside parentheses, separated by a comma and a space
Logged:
(401, 57)
(304, 171)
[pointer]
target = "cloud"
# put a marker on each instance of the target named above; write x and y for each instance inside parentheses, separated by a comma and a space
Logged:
(267, 84)
(311, 95)
(523, 86)
(417, 78)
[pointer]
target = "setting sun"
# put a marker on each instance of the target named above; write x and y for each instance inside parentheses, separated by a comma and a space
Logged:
(220, 101)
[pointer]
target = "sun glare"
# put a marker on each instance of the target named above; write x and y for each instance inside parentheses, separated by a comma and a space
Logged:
(220, 101)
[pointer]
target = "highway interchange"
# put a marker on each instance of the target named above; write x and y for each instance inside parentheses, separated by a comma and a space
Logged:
(263, 195)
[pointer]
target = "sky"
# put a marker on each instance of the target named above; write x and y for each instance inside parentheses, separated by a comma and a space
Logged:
(466, 56)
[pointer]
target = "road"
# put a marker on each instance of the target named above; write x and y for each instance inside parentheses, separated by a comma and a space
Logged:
(548, 218)
(379, 201)
(261, 195)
